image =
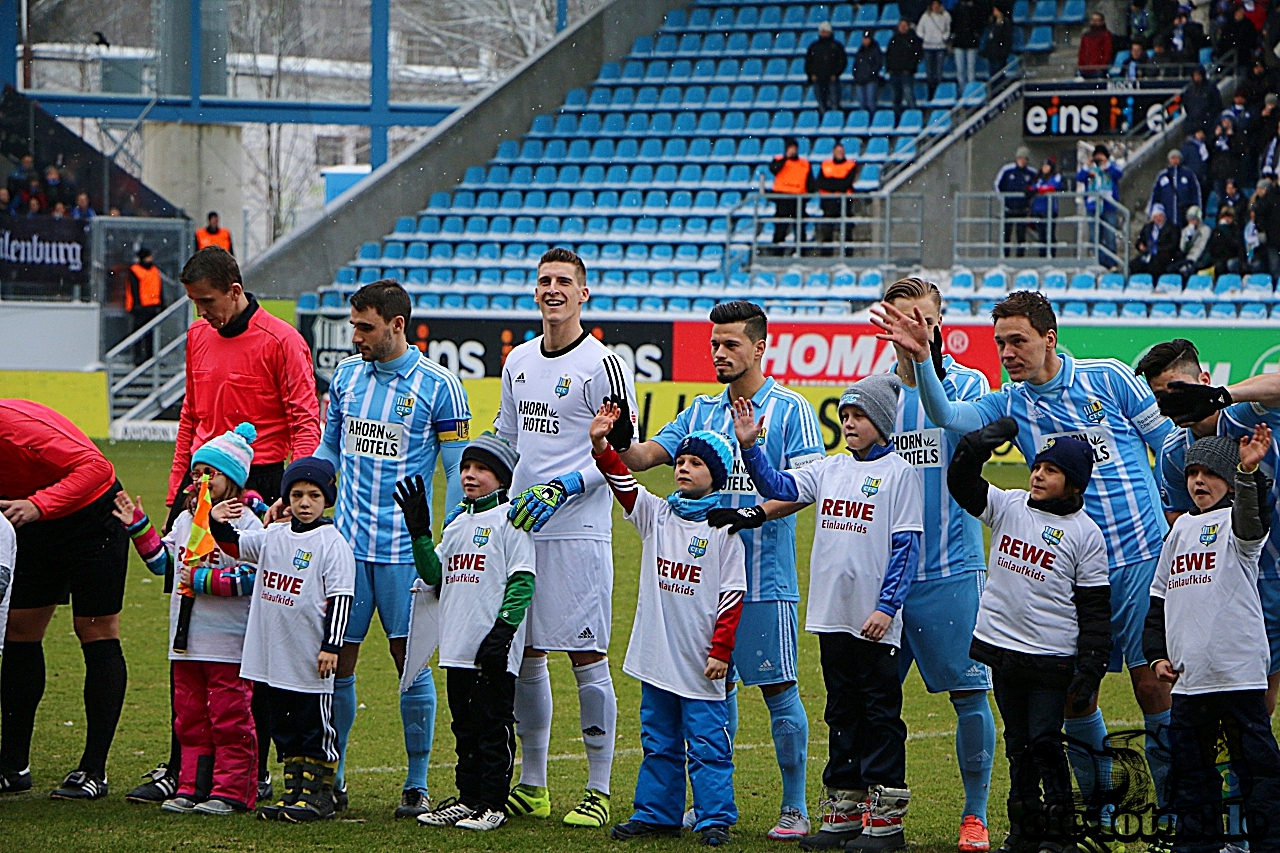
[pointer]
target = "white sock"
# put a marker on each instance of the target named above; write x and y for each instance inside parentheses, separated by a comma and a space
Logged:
(533, 719)
(598, 711)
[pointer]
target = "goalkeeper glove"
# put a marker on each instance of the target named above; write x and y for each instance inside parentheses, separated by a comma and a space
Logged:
(533, 507)
(1186, 403)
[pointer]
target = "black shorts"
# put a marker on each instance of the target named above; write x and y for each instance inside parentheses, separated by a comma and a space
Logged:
(81, 558)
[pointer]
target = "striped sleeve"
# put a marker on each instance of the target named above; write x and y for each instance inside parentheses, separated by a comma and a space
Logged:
(621, 385)
(728, 614)
(337, 613)
(619, 478)
(804, 438)
(452, 413)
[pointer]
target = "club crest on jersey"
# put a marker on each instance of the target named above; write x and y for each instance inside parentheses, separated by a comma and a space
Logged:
(562, 387)
(1093, 411)
(871, 485)
(301, 559)
(482, 536)
(1208, 534)
(404, 405)
(697, 547)
(1051, 535)
(760, 438)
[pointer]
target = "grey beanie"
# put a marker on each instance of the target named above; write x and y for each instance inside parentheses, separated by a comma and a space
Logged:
(877, 396)
(1218, 453)
(495, 454)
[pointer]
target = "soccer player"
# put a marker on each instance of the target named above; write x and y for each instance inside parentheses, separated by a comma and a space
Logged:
(392, 413)
(866, 548)
(765, 654)
(1173, 371)
(59, 496)
(941, 609)
(1098, 400)
(551, 388)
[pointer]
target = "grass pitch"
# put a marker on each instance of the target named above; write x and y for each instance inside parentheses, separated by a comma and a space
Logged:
(376, 761)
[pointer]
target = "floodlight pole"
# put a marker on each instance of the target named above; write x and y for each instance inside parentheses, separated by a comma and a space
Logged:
(379, 79)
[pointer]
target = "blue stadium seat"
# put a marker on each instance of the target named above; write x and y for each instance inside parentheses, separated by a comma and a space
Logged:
(1199, 285)
(882, 123)
(1081, 283)
(974, 94)
(1105, 310)
(1040, 40)
(1054, 283)
(1163, 311)
(1222, 311)
(1073, 12)
(877, 150)
(1227, 283)
(1044, 12)
(1192, 311)
(1075, 309)
(868, 178)
(1168, 284)
(1134, 311)
(1253, 311)
(1111, 284)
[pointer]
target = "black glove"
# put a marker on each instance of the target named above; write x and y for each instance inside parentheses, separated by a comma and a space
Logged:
(411, 495)
(1187, 403)
(935, 350)
(742, 518)
(494, 648)
(981, 442)
(1082, 690)
(619, 437)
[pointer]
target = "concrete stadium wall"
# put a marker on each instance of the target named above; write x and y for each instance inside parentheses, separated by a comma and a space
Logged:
(308, 257)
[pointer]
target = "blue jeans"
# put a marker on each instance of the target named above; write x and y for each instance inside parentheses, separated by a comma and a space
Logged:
(867, 93)
(674, 730)
(933, 60)
(966, 66)
(903, 84)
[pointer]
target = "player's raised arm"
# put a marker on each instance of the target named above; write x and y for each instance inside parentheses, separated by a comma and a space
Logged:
(615, 472)
(964, 475)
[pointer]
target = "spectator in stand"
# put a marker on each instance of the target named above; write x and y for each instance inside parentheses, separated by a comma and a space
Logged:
(1265, 210)
(1100, 181)
(1226, 249)
(835, 185)
(1185, 40)
(968, 18)
(34, 208)
(1136, 65)
(1255, 13)
(1238, 35)
(867, 65)
(1163, 13)
(33, 192)
(901, 60)
(6, 202)
(57, 188)
(824, 62)
(1256, 85)
(1202, 102)
(82, 210)
(143, 299)
(1232, 197)
(998, 40)
(1269, 167)
(1263, 130)
(792, 175)
(1176, 189)
(213, 234)
(1157, 245)
(1195, 154)
(1140, 24)
(1015, 182)
(59, 211)
(1193, 245)
(1239, 111)
(1096, 50)
(1227, 156)
(21, 176)
(1044, 204)
(934, 30)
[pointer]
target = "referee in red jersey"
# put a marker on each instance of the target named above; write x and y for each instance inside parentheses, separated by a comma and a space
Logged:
(57, 489)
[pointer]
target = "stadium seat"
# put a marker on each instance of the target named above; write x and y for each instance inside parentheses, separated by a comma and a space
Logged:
(1222, 311)
(1253, 311)
(1192, 311)
(1163, 311)
(1104, 310)
(1075, 310)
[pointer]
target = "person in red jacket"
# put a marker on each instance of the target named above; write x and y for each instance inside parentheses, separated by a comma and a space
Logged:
(242, 365)
(1096, 50)
(58, 490)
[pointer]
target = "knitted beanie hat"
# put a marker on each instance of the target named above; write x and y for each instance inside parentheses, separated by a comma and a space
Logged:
(877, 396)
(714, 450)
(311, 469)
(229, 453)
(1072, 456)
(1218, 453)
(495, 454)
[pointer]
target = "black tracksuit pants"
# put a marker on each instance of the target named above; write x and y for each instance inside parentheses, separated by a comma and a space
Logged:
(864, 713)
(301, 724)
(484, 727)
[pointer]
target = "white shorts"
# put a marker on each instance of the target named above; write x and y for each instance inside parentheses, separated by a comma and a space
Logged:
(572, 607)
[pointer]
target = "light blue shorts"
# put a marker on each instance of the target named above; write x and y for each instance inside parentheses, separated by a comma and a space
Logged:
(387, 587)
(765, 649)
(1269, 589)
(938, 618)
(1130, 600)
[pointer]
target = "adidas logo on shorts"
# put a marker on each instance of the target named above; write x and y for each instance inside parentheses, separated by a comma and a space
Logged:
(586, 634)
(976, 671)
(765, 666)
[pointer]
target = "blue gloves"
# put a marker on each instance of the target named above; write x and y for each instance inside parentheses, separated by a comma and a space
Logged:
(534, 507)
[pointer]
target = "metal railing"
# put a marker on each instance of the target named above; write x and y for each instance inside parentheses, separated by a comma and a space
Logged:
(870, 229)
(1068, 233)
(140, 390)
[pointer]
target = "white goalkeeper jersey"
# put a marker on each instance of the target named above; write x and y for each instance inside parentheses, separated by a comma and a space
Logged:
(548, 403)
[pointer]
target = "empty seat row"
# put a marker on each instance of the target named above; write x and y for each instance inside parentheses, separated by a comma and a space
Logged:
(561, 203)
(1075, 309)
(765, 43)
(659, 72)
(742, 97)
(1114, 286)
(662, 126)
(727, 18)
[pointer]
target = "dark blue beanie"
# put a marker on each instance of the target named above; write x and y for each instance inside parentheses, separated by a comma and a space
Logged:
(311, 469)
(1073, 456)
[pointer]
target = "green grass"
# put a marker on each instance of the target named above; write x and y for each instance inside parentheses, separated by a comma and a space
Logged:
(376, 758)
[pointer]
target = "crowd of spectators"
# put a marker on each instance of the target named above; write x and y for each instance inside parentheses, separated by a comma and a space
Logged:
(1159, 40)
(51, 192)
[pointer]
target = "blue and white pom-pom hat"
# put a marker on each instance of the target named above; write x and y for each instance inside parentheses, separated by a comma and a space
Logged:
(714, 450)
(231, 453)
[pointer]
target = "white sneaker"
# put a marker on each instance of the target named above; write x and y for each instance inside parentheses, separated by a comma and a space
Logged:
(690, 820)
(178, 805)
(447, 813)
(483, 822)
(791, 826)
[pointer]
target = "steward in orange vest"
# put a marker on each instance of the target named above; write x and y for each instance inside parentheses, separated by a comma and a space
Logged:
(213, 235)
(835, 178)
(142, 299)
(791, 175)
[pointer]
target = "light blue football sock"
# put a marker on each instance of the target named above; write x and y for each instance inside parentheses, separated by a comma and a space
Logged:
(418, 714)
(975, 750)
(790, 726)
(1158, 756)
(344, 717)
(731, 703)
(1090, 730)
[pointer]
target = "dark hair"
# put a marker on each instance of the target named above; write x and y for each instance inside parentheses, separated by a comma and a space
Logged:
(144, 252)
(1030, 304)
(561, 255)
(214, 265)
(386, 297)
(913, 288)
(741, 311)
(1178, 353)
(211, 214)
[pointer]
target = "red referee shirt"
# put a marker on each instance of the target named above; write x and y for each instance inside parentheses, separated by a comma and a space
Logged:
(257, 368)
(46, 459)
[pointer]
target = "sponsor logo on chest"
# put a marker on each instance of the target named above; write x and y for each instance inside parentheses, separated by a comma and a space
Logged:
(281, 587)
(537, 416)
(921, 448)
(679, 577)
(1026, 559)
(464, 567)
(375, 439)
(1098, 437)
(839, 514)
